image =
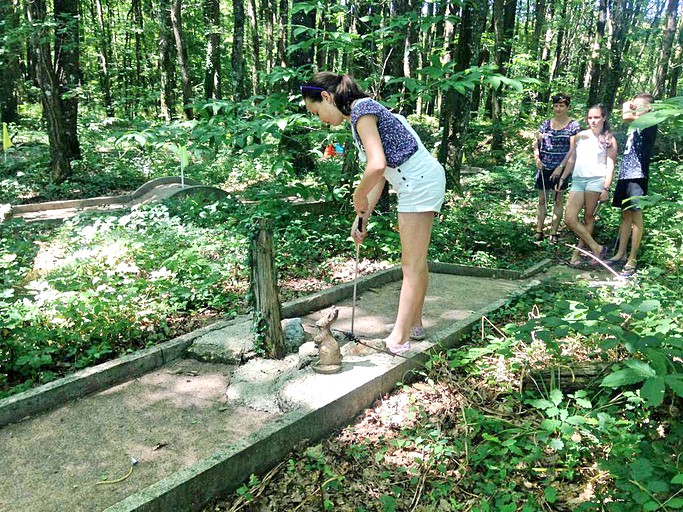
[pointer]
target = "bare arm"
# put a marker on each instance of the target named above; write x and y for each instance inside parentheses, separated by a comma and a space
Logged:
(537, 153)
(631, 111)
(609, 175)
(366, 127)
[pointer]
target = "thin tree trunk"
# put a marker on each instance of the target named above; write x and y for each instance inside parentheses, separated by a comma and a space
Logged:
(456, 111)
(256, 45)
(67, 66)
(676, 66)
(105, 38)
(212, 68)
(49, 91)
(181, 52)
(237, 57)
(167, 74)
(269, 7)
(596, 59)
(301, 19)
(556, 69)
(504, 12)
(667, 44)
(10, 72)
(282, 42)
(624, 13)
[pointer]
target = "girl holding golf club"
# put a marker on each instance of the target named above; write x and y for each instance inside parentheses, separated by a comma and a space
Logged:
(552, 147)
(593, 157)
(393, 152)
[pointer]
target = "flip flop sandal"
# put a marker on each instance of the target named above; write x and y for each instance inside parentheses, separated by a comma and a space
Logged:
(601, 257)
(615, 263)
(628, 270)
(553, 238)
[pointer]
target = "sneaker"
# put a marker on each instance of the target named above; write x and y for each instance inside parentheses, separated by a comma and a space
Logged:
(417, 332)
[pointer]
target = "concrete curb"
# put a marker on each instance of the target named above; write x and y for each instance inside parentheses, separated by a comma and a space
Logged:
(97, 201)
(465, 270)
(225, 470)
(96, 378)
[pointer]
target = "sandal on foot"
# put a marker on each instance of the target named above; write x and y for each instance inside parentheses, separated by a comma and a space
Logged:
(628, 270)
(538, 236)
(399, 349)
(553, 238)
(417, 332)
(575, 263)
(615, 263)
(600, 258)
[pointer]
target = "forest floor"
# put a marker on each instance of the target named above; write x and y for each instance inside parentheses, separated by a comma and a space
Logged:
(389, 460)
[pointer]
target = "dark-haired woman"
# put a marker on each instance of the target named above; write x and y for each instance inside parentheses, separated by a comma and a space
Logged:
(552, 147)
(593, 158)
(391, 151)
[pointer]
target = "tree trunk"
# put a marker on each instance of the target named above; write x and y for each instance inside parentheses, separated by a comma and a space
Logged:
(67, 66)
(167, 74)
(556, 69)
(49, 91)
(539, 27)
(256, 45)
(212, 68)
(237, 57)
(301, 19)
(667, 44)
(9, 63)
(264, 293)
(568, 379)
(624, 14)
(181, 52)
(676, 66)
(282, 41)
(504, 27)
(456, 114)
(105, 43)
(596, 57)
(269, 7)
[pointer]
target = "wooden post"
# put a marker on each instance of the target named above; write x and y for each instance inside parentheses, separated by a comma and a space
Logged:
(267, 314)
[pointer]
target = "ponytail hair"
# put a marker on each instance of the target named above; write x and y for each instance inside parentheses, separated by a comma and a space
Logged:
(343, 89)
(605, 136)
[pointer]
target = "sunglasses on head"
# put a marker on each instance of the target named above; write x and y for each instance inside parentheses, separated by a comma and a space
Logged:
(306, 87)
(559, 99)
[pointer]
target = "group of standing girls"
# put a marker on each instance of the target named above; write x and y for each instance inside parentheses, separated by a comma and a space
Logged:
(562, 149)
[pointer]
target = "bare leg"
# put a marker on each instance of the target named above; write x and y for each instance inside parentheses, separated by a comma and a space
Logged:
(636, 236)
(542, 210)
(575, 202)
(558, 206)
(624, 235)
(415, 231)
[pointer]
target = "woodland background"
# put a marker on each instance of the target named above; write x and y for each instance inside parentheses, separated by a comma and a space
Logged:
(165, 61)
(100, 96)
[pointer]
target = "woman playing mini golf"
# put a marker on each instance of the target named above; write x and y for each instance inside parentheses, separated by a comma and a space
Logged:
(393, 152)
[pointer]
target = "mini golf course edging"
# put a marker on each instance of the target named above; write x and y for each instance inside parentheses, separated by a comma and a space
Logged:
(336, 401)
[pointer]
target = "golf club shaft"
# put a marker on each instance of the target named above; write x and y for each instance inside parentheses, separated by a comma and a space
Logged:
(355, 277)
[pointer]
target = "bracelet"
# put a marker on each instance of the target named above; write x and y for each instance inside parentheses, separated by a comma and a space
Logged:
(605, 188)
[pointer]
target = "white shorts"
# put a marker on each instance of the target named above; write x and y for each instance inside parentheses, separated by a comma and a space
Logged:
(420, 183)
